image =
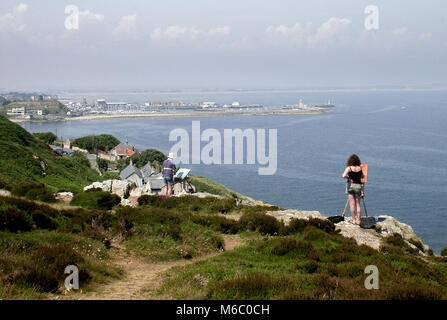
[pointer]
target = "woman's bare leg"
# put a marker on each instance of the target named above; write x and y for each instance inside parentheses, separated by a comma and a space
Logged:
(352, 206)
(359, 208)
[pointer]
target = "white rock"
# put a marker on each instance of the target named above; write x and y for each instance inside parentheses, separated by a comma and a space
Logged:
(66, 196)
(287, 215)
(126, 203)
(118, 187)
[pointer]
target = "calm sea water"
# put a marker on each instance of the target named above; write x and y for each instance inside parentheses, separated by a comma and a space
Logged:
(401, 135)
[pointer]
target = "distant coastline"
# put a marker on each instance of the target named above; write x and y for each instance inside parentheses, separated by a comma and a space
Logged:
(182, 115)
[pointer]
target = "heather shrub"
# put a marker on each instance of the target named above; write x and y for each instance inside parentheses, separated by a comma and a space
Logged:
(413, 292)
(14, 220)
(299, 225)
(249, 286)
(94, 199)
(45, 270)
(285, 245)
(42, 220)
(260, 222)
(310, 266)
(220, 224)
(33, 191)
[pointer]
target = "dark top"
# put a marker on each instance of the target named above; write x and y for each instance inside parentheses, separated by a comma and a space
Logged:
(355, 177)
(168, 169)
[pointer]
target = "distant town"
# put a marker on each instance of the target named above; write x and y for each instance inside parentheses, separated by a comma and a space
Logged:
(41, 107)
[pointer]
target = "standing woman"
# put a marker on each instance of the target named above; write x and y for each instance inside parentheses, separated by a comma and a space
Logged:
(353, 173)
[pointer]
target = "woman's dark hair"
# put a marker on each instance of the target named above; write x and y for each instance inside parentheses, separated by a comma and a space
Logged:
(353, 160)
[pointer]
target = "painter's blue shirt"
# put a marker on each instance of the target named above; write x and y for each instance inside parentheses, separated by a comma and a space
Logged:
(168, 169)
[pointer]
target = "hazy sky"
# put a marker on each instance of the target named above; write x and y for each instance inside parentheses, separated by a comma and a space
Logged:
(226, 44)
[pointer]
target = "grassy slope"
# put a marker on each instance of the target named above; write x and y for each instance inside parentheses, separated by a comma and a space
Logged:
(206, 185)
(308, 265)
(20, 156)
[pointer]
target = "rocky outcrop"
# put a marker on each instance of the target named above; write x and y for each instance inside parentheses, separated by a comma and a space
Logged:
(371, 237)
(119, 187)
(287, 215)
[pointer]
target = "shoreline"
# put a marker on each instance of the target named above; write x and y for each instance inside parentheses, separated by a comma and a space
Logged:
(179, 115)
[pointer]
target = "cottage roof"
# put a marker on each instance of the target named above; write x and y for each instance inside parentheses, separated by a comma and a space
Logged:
(147, 170)
(122, 146)
(129, 170)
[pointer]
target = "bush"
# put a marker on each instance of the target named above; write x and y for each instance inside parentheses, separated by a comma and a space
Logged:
(46, 272)
(396, 240)
(310, 266)
(220, 224)
(13, 220)
(260, 222)
(94, 199)
(299, 225)
(250, 286)
(103, 142)
(4, 185)
(42, 220)
(413, 292)
(33, 191)
(314, 234)
(47, 137)
(147, 200)
(286, 245)
(173, 231)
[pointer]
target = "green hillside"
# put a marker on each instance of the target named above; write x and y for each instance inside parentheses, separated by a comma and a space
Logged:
(21, 154)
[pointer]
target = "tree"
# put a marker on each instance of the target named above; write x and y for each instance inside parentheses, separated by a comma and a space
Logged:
(47, 137)
(103, 164)
(151, 155)
(103, 142)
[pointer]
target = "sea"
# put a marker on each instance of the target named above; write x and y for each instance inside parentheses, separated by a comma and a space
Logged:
(400, 134)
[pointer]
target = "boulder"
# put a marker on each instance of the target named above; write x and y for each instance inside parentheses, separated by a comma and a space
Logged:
(64, 196)
(127, 203)
(5, 193)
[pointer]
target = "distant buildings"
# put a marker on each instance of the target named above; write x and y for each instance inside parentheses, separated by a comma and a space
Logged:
(21, 111)
(123, 151)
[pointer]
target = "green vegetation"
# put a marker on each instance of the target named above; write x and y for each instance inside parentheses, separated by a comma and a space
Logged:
(22, 156)
(33, 191)
(103, 142)
(37, 243)
(206, 185)
(313, 263)
(47, 137)
(150, 155)
(96, 199)
(140, 159)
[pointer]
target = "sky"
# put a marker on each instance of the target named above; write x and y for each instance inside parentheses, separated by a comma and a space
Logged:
(226, 44)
